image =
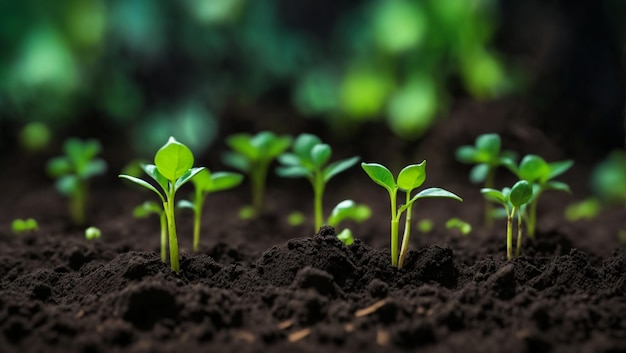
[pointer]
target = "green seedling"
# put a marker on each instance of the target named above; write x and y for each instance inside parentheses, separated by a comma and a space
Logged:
(425, 226)
(539, 174)
(35, 136)
(92, 233)
(24, 225)
(295, 218)
(308, 160)
(456, 223)
(252, 155)
(409, 178)
(205, 183)
(584, 209)
(150, 207)
(172, 168)
(73, 172)
(513, 200)
(348, 209)
(608, 179)
(487, 157)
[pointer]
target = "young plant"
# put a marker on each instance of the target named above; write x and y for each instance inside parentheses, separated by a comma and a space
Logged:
(147, 208)
(487, 156)
(409, 178)
(348, 209)
(172, 168)
(539, 174)
(73, 172)
(513, 200)
(205, 183)
(24, 225)
(308, 160)
(252, 155)
(457, 223)
(92, 233)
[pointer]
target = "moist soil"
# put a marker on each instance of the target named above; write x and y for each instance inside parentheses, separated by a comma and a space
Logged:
(265, 286)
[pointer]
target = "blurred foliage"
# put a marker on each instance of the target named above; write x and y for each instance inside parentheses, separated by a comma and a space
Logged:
(154, 69)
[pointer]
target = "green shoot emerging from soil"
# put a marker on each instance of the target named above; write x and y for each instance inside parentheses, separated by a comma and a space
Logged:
(348, 209)
(457, 223)
(410, 178)
(24, 225)
(308, 160)
(252, 155)
(172, 168)
(206, 182)
(486, 156)
(144, 210)
(539, 174)
(513, 200)
(73, 172)
(92, 233)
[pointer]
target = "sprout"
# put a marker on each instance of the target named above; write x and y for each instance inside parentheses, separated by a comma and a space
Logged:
(456, 223)
(410, 178)
(348, 209)
(92, 233)
(24, 225)
(147, 208)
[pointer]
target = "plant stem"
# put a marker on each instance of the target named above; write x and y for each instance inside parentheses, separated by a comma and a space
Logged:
(407, 231)
(197, 218)
(532, 217)
(509, 236)
(394, 229)
(318, 190)
(77, 203)
(258, 175)
(163, 220)
(171, 224)
(519, 233)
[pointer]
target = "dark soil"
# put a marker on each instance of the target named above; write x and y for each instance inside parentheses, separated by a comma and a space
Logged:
(263, 286)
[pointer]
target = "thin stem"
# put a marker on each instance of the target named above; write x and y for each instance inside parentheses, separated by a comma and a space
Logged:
(318, 190)
(258, 175)
(77, 203)
(532, 217)
(394, 228)
(519, 233)
(197, 219)
(171, 224)
(162, 218)
(509, 234)
(407, 231)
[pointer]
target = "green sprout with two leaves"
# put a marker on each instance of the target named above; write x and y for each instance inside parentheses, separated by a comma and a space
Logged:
(514, 201)
(540, 175)
(309, 160)
(205, 183)
(409, 178)
(487, 156)
(20, 225)
(172, 168)
(73, 172)
(252, 155)
(348, 209)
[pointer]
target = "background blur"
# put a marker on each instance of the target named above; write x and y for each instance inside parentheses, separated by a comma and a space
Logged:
(143, 70)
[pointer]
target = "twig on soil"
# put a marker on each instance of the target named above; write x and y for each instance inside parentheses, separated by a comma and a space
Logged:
(370, 309)
(298, 335)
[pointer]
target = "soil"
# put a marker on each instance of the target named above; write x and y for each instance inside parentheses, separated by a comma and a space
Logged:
(265, 286)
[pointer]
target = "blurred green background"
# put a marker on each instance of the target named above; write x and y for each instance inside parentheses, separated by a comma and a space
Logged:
(145, 70)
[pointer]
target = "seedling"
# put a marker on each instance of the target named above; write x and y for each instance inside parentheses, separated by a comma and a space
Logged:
(348, 209)
(147, 208)
(584, 209)
(92, 233)
(308, 160)
(608, 179)
(409, 178)
(24, 225)
(295, 218)
(456, 223)
(205, 183)
(73, 172)
(513, 200)
(539, 174)
(252, 155)
(425, 225)
(172, 168)
(487, 156)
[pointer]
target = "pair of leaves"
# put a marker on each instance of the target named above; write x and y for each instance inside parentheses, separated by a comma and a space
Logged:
(78, 164)
(205, 182)
(248, 149)
(24, 225)
(535, 169)
(348, 209)
(309, 157)
(519, 195)
(486, 155)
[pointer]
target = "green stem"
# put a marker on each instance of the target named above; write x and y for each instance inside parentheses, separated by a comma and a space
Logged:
(257, 181)
(163, 220)
(77, 204)
(532, 218)
(318, 189)
(407, 231)
(519, 233)
(509, 235)
(196, 229)
(171, 225)
(394, 229)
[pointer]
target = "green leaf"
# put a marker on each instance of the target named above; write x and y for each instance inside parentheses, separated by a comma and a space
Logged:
(348, 209)
(479, 173)
(493, 195)
(143, 183)
(243, 144)
(186, 204)
(521, 193)
(93, 168)
(278, 146)
(466, 154)
(320, 154)
(289, 159)
(67, 184)
(237, 161)
(558, 186)
(510, 164)
(187, 176)
(153, 172)
(533, 168)
(558, 168)
(489, 146)
(203, 180)
(173, 160)
(380, 175)
(435, 192)
(339, 166)
(147, 208)
(412, 176)
(225, 180)
(58, 166)
(304, 145)
(294, 172)
(346, 236)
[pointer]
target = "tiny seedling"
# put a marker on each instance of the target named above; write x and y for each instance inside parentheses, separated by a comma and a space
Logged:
(425, 225)
(608, 179)
(539, 174)
(295, 218)
(308, 160)
(584, 209)
(457, 223)
(513, 200)
(206, 182)
(487, 156)
(24, 225)
(73, 172)
(150, 207)
(92, 233)
(409, 178)
(172, 168)
(348, 209)
(252, 155)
